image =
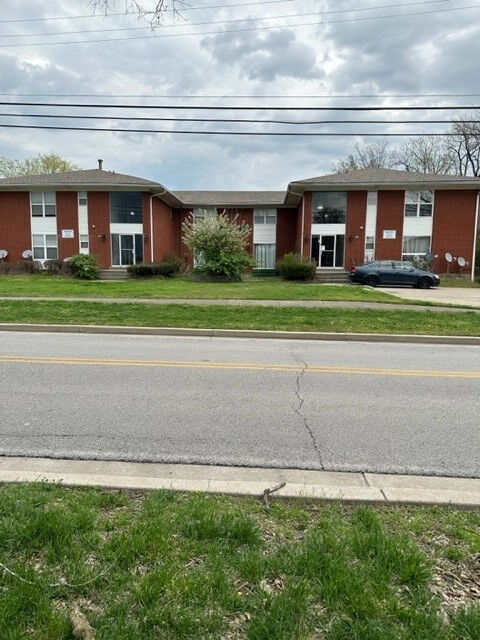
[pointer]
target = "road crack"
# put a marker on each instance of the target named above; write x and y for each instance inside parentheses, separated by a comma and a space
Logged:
(299, 411)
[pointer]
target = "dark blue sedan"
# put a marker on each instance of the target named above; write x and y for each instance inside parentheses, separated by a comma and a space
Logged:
(393, 272)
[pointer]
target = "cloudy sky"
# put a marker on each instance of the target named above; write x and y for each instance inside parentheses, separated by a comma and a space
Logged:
(316, 47)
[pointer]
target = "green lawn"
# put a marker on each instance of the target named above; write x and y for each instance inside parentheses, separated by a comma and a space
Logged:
(249, 289)
(195, 567)
(460, 283)
(238, 317)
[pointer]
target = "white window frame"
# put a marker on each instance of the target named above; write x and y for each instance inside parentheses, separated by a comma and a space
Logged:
(84, 243)
(43, 204)
(260, 216)
(408, 256)
(45, 246)
(418, 203)
(82, 195)
(200, 213)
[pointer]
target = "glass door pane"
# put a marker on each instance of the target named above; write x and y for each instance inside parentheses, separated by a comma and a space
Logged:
(316, 249)
(327, 251)
(116, 250)
(126, 250)
(339, 249)
(138, 248)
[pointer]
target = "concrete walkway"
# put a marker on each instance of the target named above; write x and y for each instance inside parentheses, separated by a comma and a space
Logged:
(439, 295)
(309, 304)
(251, 481)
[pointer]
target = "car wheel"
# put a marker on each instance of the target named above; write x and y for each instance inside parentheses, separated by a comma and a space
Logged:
(424, 283)
(372, 281)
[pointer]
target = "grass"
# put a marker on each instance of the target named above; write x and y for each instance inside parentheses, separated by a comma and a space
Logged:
(238, 317)
(195, 567)
(460, 283)
(185, 287)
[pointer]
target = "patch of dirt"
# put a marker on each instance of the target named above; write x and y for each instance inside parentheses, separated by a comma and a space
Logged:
(457, 586)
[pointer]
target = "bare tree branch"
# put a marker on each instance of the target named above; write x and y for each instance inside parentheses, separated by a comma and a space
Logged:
(365, 156)
(154, 16)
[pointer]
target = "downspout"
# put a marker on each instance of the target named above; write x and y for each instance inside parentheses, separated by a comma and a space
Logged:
(475, 232)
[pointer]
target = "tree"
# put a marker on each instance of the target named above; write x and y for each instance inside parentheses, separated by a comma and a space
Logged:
(41, 163)
(465, 146)
(426, 154)
(154, 16)
(366, 156)
(219, 244)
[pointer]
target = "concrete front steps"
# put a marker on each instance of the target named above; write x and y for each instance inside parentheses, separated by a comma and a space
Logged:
(332, 276)
(114, 273)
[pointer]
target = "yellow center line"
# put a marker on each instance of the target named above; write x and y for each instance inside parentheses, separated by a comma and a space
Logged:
(186, 364)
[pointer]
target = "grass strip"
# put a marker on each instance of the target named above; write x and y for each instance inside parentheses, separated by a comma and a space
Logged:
(186, 287)
(239, 317)
(202, 567)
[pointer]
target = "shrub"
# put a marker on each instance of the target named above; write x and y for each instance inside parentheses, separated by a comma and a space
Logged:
(26, 266)
(219, 242)
(84, 266)
(168, 267)
(58, 267)
(293, 266)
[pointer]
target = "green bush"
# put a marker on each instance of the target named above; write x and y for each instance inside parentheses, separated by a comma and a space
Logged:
(477, 260)
(26, 266)
(58, 267)
(84, 266)
(167, 268)
(293, 266)
(219, 242)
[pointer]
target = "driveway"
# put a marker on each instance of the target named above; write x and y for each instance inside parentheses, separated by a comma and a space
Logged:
(441, 295)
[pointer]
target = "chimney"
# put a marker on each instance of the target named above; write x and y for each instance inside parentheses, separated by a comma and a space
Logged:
(100, 165)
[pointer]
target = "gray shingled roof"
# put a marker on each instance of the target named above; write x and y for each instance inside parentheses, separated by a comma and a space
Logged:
(237, 198)
(386, 176)
(87, 177)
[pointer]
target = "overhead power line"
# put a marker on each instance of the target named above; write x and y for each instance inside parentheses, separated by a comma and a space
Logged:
(136, 13)
(193, 24)
(236, 96)
(251, 120)
(239, 107)
(246, 29)
(229, 133)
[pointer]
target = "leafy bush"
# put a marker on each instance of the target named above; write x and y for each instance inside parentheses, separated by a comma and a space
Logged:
(477, 260)
(293, 266)
(168, 267)
(219, 242)
(84, 266)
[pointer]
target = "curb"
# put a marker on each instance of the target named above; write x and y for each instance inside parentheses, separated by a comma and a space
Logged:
(246, 481)
(243, 333)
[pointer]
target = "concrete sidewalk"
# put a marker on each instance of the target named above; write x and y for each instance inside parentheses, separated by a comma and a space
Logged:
(439, 295)
(323, 485)
(200, 302)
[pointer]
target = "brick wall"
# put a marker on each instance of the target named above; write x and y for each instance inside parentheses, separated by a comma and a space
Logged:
(99, 225)
(67, 218)
(453, 227)
(164, 235)
(287, 221)
(390, 215)
(307, 225)
(147, 245)
(15, 233)
(355, 228)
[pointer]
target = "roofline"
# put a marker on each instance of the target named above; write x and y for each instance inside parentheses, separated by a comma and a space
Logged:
(243, 205)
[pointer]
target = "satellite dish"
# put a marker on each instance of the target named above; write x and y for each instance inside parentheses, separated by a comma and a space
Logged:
(27, 254)
(461, 262)
(448, 257)
(3, 254)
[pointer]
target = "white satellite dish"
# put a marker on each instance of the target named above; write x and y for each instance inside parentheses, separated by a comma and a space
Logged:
(27, 254)
(461, 262)
(448, 257)
(3, 254)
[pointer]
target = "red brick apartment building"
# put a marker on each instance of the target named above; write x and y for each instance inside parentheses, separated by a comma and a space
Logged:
(339, 219)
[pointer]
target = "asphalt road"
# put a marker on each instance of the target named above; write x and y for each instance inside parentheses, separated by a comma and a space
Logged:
(390, 408)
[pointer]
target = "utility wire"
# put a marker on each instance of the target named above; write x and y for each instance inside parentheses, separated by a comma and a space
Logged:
(228, 133)
(255, 96)
(137, 13)
(256, 121)
(227, 31)
(237, 107)
(193, 24)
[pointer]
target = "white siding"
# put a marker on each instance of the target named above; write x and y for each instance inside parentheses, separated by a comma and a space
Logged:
(116, 227)
(418, 226)
(329, 229)
(264, 233)
(44, 225)
(371, 221)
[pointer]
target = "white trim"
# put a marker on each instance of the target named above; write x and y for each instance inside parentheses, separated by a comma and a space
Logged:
(151, 229)
(475, 231)
(413, 232)
(303, 225)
